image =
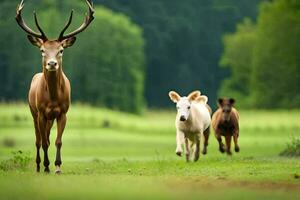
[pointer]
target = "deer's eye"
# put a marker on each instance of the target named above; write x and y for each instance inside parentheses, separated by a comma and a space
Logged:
(189, 107)
(43, 52)
(61, 51)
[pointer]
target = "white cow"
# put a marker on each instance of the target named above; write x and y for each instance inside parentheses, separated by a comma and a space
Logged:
(193, 119)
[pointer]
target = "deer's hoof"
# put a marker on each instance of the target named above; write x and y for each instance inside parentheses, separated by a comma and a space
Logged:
(222, 150)
(196, 159)
(178, 153)
(58, 172)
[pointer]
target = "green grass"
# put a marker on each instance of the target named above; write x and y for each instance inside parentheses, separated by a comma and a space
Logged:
(113, 155)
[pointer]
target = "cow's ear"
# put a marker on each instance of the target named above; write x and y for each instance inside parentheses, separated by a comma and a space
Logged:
(232, 101)
(220, 102)
(174, 96)
(193, 95)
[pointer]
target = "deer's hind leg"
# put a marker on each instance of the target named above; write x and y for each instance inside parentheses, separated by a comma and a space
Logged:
(206, 137)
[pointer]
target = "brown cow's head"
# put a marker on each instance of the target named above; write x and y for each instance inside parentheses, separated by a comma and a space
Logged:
(226, 105)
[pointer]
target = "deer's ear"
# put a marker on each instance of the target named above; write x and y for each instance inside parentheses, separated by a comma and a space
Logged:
(193, 95)
(202, 99)
(174, 96)
(220, 102)
(35, 41)
(68, 42)
(231, 101)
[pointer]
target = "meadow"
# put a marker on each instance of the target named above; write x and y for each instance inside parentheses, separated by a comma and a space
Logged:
(112, 155)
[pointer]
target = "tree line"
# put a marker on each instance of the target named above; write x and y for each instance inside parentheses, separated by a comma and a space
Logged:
(136, 51)
(106, 66)
(264, 58)
(184, 42)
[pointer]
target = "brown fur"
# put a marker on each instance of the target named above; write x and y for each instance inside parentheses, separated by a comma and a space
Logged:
(49, 99)
(226, 123)
(49, 94)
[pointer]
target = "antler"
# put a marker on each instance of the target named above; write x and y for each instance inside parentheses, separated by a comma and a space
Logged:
(88, 19)
(24, 26)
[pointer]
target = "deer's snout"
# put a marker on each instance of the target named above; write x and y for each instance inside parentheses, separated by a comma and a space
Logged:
(52, 63)
(182, 118)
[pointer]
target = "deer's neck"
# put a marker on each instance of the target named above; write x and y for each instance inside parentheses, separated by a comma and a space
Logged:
(190, 118)
(55, 82)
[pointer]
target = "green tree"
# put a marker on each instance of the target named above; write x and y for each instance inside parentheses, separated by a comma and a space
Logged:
(183, 42)
(183, 46)
(238, 57)
(107, 64)
(276, 75)
(264, 58)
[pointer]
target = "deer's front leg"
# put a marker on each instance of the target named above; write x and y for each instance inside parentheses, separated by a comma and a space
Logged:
(42, 123)
(61, 123)
(197, 148)
(228, 144)
(235, 139)
(221, 145)
(187, 150)
(179, 142)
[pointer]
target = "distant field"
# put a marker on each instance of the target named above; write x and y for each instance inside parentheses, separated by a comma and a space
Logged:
(120, 156)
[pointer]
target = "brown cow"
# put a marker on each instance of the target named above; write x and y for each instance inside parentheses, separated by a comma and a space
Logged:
(225, 122)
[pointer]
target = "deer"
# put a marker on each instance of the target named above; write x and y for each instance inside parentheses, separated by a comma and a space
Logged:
(49, 95)
(192, 121)
(225, 122)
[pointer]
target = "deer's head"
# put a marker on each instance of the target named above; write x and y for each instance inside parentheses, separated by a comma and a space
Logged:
(52, 50)
(184, 104)
(226, 105)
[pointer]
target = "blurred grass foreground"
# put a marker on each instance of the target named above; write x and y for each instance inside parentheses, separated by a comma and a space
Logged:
(117, 155)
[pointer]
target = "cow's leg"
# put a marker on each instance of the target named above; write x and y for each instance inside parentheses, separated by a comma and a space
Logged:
(206, 137)
(235, 139)
(197, 147)
(42, 128)
(61, 123)
(179, 142)
(228, 144)
(187, 150)
(221, 145)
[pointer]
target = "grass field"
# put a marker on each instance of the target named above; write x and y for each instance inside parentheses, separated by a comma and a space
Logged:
(112, 155)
